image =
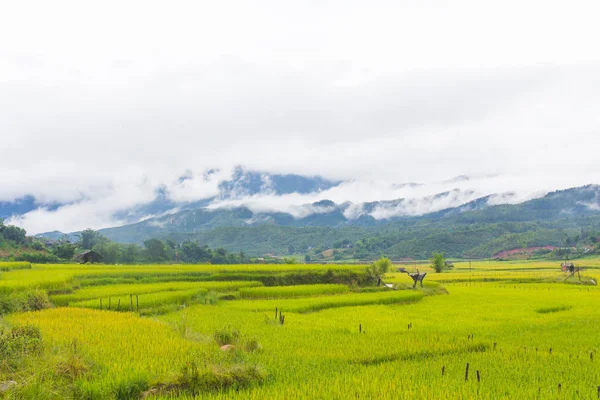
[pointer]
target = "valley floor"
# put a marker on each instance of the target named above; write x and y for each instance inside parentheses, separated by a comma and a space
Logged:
(492, 331)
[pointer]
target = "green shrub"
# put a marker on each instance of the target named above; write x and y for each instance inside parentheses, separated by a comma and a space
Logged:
(130, 389)
(30, 300)
(194, 380)
(437, 262)
(20, 341)
(226, 335)
(39, 258)
(210, 297)
(252, 345)
(377, 270)
(39, 246)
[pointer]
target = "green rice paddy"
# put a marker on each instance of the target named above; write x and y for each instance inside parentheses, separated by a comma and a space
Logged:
(488, 330)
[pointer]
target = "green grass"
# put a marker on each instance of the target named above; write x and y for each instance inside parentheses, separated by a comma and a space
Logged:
(547, 310)
(275, 292)
(311, 304)
(144, 301)
(13, 265)
(518, 325)
(104, 292)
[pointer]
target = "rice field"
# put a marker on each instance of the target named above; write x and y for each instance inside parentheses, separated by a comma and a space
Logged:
(99, 292)
(488, 330)
(12, 265)
(141, 303)
(275, 292)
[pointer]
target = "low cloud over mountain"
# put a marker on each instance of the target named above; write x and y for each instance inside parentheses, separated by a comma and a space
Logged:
(262, 193)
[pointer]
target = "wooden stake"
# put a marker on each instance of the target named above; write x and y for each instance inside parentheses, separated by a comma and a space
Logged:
(137, 303)
(100, 304)
(130, 302)
(443, 369)
(119, 305)
(467, 372)
(109, 303)
(359, 328)
(478, 376)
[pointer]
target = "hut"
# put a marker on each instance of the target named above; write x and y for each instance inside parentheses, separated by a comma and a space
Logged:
(89, 256)
(449, 264)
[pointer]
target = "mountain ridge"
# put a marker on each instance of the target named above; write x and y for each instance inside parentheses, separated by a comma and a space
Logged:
(488, 228)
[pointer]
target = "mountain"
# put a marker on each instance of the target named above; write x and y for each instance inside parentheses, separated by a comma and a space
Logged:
(573, 202)
(247, 183)
(241, 183)
(475, 228)
(456, 221)
(54, 235)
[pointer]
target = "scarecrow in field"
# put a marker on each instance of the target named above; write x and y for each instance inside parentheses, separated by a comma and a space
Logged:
(417, 277)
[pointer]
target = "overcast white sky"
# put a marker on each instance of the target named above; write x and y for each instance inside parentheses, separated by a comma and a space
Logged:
(101, 102)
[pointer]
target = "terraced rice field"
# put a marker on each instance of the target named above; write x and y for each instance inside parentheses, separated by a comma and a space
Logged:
(275, 292)
(488, 330)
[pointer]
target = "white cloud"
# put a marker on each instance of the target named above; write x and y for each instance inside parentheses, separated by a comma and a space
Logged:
(420, 206)
(197, 186)
(101, 104)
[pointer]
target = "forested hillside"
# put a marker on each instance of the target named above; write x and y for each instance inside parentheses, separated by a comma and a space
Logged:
(569, 219)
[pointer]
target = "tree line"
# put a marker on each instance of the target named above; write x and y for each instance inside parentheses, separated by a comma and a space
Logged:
(17, 246)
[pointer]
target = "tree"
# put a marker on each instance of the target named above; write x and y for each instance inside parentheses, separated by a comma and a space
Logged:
(37, 245)
(155, 250)
(130, 253)
(192, 252)
(13, 233)
(64, 250)
(220, 256)
(89, 238)
(111, 252)
(437, 261)
(378, 269)
(307, 258)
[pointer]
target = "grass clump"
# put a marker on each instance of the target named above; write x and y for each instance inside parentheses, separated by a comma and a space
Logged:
(195, 379)
(20, 341)
(548, 310)
(227, 335)
(28, 300)
(232, 336)
(252, 345)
